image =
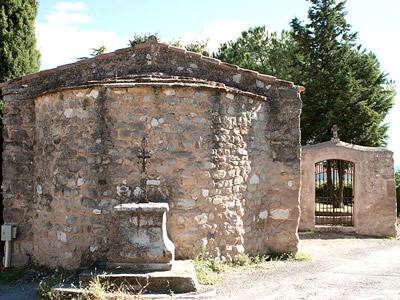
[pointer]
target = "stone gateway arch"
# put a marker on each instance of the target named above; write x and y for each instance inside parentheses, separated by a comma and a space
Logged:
(374, 194)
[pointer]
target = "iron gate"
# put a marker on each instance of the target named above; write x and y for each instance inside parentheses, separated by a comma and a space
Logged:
(334, 196)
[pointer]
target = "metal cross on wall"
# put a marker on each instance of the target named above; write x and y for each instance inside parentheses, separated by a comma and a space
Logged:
(144, 155)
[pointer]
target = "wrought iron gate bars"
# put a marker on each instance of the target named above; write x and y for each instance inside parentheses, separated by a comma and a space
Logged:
(333, 195)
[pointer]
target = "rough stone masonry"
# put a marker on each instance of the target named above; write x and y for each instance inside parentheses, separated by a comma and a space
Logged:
(225, 146)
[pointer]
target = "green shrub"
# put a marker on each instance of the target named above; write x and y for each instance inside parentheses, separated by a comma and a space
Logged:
(241, 260)
(51, 279)
(209, 270)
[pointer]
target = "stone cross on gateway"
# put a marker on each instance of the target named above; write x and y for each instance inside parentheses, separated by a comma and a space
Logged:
(335, 136)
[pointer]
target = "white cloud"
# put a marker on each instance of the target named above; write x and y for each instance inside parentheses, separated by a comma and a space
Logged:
(64, 6)
(60, 17)
(68, 13)
(61, 39)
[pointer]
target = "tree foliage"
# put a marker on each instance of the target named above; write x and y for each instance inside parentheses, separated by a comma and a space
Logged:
(142, 38)
(18, 53)
(194, 46)
(263, 51)
(344, 83)
(94, 52)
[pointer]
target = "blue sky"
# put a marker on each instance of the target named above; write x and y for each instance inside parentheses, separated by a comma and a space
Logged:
(68, 29)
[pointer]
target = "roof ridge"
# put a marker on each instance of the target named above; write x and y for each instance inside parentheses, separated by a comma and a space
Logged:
(144, 45)
(154, 45)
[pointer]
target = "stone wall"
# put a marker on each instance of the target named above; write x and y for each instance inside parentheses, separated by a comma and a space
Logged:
(211, 162)
(225, 155)
(18, 176)
(374, 209)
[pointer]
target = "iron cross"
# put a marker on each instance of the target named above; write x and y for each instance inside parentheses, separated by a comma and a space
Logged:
(144, 155)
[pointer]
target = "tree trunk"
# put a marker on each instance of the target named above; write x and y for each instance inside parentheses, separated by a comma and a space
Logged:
(339, 195)
(329, 182)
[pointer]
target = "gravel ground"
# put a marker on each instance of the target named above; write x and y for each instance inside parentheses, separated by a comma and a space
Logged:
(341, 267)
(19, 290)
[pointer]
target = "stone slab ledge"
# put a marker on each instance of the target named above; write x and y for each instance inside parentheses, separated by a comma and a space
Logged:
(172, 82)
(180, 279)
(142, 207)
(70, 292)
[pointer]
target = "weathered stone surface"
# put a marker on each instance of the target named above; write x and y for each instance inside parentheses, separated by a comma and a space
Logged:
(181, 278)
(142, 242)
(374, 208)
(279, 214)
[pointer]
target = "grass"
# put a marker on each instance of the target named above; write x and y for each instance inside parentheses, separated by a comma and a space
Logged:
(398, 231)
(98, 290)
(210, 271)
(49, 279)
(11, 275)
(301, 256)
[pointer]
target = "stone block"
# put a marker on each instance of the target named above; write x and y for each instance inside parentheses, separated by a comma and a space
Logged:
(142, 244)
(181, 278)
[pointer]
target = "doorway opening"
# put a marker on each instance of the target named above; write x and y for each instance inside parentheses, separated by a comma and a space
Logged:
(334, 192)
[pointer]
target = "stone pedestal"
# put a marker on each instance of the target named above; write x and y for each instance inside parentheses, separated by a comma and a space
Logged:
(143, 242)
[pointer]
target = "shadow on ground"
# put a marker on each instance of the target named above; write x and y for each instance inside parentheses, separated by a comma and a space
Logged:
(311, 235)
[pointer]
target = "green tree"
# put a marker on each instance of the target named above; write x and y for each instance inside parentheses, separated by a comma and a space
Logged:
(142, 38)
(18, 53)
(262, 51)
(194, 46)
(344, 83)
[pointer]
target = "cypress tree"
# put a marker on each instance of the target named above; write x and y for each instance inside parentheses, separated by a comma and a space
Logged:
(344, 83)
(18, 53)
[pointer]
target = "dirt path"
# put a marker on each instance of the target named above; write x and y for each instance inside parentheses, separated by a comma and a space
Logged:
(340, 268)
(20, 290)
